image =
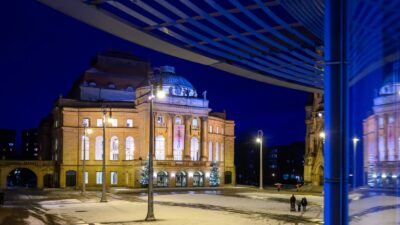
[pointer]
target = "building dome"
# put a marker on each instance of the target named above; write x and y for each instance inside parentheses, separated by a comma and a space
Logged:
(172, 84)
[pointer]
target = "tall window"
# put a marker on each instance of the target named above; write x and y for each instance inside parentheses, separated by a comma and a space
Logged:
(210, 129)
(129, 148)
(86, 177)
(194, 149)
(114, 177)
(160, 147)
(114, 148)
(217, 130)
(99, 148)
(216, 151)
(85, 147)
(99, 177)
(210, 151)
(99, 122)
(195, 123)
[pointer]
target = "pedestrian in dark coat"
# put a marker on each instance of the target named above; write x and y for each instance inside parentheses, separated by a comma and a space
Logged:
(293, 203)
(299, 206)
(304, 203)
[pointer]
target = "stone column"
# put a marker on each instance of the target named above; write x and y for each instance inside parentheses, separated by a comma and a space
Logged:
(170, 136)
(204, 139)
(385, 130)
(186, 150)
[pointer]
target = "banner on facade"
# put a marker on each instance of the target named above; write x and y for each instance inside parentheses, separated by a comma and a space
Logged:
(179, 135)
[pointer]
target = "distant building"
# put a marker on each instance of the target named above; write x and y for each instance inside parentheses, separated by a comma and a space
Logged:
(30, 147)
(382, 135)
(8, 144)
(188, 137)
(315, 137)
(285, 164)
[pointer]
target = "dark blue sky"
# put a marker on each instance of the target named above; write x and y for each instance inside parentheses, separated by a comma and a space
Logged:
(42, 52)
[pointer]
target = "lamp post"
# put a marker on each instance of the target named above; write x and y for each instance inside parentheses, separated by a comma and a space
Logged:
(85, 133)
(103, 170)
(260, 140)
(355, 140)
(150, 199)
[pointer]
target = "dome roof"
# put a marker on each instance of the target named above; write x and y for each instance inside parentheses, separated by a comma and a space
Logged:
(167, 77)
(171, 83)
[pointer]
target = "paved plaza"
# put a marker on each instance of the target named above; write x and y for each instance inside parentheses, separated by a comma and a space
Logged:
(221, 206)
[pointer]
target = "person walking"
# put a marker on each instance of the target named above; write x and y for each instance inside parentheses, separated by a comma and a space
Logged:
(293, 203)
(299, 206)
(304, 203)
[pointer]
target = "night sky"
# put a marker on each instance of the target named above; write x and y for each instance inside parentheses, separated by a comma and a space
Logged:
(42, 52)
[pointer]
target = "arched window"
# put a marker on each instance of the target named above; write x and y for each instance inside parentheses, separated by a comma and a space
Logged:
(129, 148)
(160, 147)
(162, 179)
(85, 147)
(99, 148)
(194, 149)
(210, 151)
(198, 179)
(195, 123)
(216, 151)
(114, 148)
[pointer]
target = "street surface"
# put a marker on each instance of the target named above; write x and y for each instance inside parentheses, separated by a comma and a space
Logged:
(220, 206)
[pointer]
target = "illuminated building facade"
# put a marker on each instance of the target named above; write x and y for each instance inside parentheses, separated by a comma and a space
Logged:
(315, 137)
(188, 137)
(382, 135)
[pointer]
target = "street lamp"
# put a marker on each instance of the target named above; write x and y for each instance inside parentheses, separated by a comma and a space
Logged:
(355, 140)
(260, 140)
(103, 170)
(150, 206)
(86, 131)
(322, 136)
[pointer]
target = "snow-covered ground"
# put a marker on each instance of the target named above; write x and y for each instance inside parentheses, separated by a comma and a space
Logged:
(374, 208)
(255, 208)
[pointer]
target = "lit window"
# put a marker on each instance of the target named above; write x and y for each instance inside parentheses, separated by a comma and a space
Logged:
(195, 123)
(35, 149)
(111, 85)
(160, 119)
(56, 123)
(114, 122)
(114, 148)
(129, 123)
(160, 147)
(194, 149)
(85, 147)
(210, 151)
(85, 122)
(217, 130)
(86, 177)
(130, 148)
(99, 177)
(99, 148)
(114, 177)
(92, 84)
(210, 129)
(99, 122)
(178, 121)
